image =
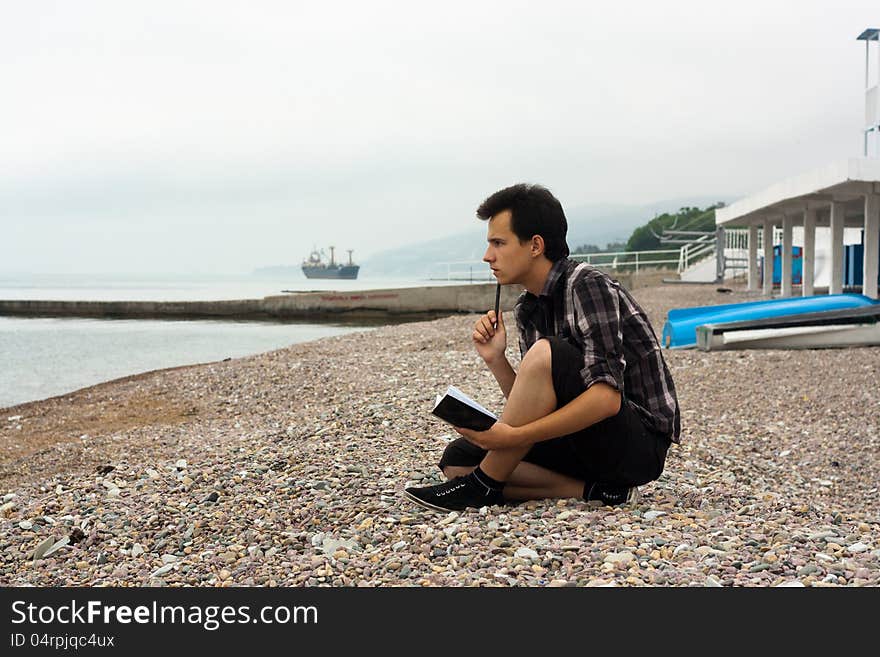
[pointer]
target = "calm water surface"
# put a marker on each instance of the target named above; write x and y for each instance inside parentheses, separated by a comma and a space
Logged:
(44, 357)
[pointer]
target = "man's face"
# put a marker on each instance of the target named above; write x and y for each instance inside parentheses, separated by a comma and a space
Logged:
(510, 261)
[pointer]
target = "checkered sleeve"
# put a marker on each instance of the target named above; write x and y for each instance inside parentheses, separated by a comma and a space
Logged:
(596, 319)
(526, 337)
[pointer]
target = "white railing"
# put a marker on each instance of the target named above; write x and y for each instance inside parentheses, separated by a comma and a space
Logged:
(623, 259)
(472, 271)
(695, 251)
(736, 248)
(478, 271)
(736, 253)
(738, 238)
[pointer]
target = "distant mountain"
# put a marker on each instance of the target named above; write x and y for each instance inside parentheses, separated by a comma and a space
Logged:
(430, 259)
(587, 224)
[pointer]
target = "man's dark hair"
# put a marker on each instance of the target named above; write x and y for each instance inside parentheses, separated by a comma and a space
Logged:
(534, 211)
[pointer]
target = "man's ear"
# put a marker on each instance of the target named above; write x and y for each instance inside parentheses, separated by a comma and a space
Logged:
(537, 247)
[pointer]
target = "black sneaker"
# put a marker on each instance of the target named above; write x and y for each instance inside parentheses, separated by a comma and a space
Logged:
(455, 495)
(612, 495)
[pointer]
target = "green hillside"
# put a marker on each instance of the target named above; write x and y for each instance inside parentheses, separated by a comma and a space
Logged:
(647, 237)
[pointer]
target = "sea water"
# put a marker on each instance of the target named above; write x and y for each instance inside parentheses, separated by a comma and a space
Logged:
(44, 357)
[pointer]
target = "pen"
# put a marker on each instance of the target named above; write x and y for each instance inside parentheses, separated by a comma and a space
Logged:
(497, 299)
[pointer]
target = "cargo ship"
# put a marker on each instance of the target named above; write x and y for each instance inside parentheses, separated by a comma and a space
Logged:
(315, 267)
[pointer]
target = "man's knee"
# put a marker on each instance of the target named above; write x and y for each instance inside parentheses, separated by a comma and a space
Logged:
(460, 454)
(538, 358)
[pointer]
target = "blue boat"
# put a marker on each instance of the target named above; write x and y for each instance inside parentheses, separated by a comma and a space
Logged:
(680, 329)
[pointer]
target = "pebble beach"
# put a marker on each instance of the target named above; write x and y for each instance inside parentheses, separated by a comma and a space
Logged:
(286, 469)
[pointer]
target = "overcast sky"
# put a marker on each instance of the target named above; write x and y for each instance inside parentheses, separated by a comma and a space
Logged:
(196, 136)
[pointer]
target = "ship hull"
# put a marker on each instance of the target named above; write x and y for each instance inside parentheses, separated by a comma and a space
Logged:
(348, 272)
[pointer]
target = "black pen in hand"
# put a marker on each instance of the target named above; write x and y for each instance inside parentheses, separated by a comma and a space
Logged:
(497, 300)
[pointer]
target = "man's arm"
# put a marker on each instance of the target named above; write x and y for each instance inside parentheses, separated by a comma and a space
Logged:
(504, 374)
(491, 344)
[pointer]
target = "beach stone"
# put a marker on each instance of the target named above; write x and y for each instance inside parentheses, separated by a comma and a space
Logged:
(857, 548)
(41, 549)
(167, 568)
(684, 547)
(60, 543)
(619, 557)
(525, 553)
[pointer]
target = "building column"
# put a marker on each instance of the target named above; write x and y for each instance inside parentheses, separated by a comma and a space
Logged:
(753, 258)
(785, 287)
(836, 284)
(872, 245)
(809, 275)
(767, 238)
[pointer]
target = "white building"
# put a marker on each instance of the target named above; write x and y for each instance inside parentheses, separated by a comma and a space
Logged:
(842, 196)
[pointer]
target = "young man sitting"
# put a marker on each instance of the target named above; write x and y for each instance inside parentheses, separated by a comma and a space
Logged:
(592, 411)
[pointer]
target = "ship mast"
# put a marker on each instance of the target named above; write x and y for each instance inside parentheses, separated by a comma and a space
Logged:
(349, 257)
(332, 261)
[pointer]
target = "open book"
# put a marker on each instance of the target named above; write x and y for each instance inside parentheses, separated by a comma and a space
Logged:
(459, 410)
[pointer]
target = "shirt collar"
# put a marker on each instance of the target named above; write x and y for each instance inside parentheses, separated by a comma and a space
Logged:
(554, 276)
(528, 302)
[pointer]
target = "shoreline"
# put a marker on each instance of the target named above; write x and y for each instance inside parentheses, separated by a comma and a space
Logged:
(285, 468)
(174, 356)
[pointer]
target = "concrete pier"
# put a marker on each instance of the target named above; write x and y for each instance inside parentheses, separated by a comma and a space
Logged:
(325, 305)
(399, 303)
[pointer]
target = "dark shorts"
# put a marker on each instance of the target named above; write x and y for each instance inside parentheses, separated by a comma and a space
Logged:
(619, 450)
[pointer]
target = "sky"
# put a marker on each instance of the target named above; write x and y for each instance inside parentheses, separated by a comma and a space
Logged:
(216, 137)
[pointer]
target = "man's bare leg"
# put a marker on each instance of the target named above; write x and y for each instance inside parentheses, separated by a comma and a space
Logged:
(531, 397)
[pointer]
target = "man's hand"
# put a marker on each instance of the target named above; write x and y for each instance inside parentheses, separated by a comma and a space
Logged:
(490, 342)
(498, 436)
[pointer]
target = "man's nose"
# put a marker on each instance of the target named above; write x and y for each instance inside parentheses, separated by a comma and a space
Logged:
(487, 256)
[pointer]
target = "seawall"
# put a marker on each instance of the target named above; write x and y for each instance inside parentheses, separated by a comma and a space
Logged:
(416, 301)
(412, 302)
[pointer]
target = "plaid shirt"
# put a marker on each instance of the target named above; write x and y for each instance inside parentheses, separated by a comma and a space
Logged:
(593, 312)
